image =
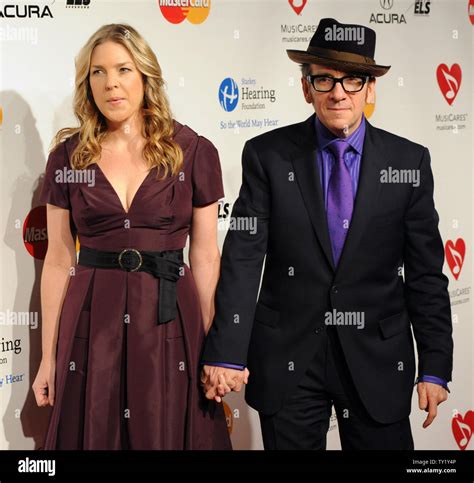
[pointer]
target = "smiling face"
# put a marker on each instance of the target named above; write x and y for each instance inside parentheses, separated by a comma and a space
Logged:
(340, 111)
(114, 75)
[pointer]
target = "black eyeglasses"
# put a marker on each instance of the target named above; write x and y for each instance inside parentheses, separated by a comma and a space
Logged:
(325, 83)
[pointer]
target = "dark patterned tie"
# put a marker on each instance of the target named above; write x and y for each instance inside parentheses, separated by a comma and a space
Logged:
(340, 199)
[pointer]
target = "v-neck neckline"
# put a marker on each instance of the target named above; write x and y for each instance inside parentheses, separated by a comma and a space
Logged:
(115, 191)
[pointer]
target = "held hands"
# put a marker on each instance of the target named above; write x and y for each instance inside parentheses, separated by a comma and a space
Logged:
(218, 381)
(43, 386)
(429, 396)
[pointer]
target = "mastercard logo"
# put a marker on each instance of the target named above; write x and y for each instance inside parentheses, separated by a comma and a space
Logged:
(175, 11)
(35, 235)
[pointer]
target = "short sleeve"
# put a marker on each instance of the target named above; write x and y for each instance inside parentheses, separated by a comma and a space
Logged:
(207, 174)
(55, 189)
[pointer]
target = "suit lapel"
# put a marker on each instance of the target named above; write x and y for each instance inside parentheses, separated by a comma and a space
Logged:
(304, 160)
(307, 174)
(366, 201)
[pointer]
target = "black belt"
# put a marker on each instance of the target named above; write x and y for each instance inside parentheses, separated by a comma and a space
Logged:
(165, 265)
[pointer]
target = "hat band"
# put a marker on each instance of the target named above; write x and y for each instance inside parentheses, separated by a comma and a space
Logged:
(342, 56)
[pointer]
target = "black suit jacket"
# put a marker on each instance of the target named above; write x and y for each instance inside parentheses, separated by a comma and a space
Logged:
(393, 225)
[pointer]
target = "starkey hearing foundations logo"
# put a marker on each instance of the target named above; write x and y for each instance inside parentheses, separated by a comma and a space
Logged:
(228, 94)
(176, 11)
(249, 96)
(252, 96)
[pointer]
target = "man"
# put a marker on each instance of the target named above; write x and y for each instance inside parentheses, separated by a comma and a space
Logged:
(346, 220)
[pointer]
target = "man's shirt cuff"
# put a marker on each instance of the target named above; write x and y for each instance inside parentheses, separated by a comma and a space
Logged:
(224, 364)
(434, 380)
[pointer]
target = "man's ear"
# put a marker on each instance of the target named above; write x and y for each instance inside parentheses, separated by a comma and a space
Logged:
(306, 90)
(370, 96)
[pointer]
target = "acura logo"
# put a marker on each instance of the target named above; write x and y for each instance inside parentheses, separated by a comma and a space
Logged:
(386, 4)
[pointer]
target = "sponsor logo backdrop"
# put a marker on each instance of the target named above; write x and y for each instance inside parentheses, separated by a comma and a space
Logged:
(227, 59)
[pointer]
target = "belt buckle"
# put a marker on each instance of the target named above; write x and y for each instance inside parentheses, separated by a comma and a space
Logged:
(128, 260)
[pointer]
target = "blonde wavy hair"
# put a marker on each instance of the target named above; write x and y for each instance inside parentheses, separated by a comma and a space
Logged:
(160, 149)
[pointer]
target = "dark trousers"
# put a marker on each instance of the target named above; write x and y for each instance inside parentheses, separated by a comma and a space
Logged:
(303, 421)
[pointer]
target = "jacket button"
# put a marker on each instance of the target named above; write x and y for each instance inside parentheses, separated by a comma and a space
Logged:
(334, 289)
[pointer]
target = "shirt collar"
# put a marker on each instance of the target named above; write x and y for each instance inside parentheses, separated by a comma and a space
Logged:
(325, 136)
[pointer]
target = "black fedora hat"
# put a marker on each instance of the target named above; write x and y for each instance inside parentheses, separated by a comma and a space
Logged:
(346, 47)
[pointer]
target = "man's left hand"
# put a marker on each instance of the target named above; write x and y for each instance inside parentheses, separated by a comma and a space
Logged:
(429, 396)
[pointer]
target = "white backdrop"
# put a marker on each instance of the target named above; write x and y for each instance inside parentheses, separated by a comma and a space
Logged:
(244, 40)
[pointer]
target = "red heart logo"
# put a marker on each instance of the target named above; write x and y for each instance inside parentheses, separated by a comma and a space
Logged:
(463, 428)
(297, 5)
(449, 81)
(455, 256)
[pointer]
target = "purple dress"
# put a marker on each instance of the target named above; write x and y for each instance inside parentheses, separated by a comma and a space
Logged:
(122, 380)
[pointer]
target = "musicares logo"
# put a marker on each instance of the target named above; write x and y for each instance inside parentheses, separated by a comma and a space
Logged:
(297, 5)
(470, 11)
(449, 81)
(175, 11)
(455, 256)
(462, 428)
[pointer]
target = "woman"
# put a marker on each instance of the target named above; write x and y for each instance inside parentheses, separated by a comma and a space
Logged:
(123, 328)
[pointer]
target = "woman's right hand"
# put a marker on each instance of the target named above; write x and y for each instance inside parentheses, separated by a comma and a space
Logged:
(43, 386)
